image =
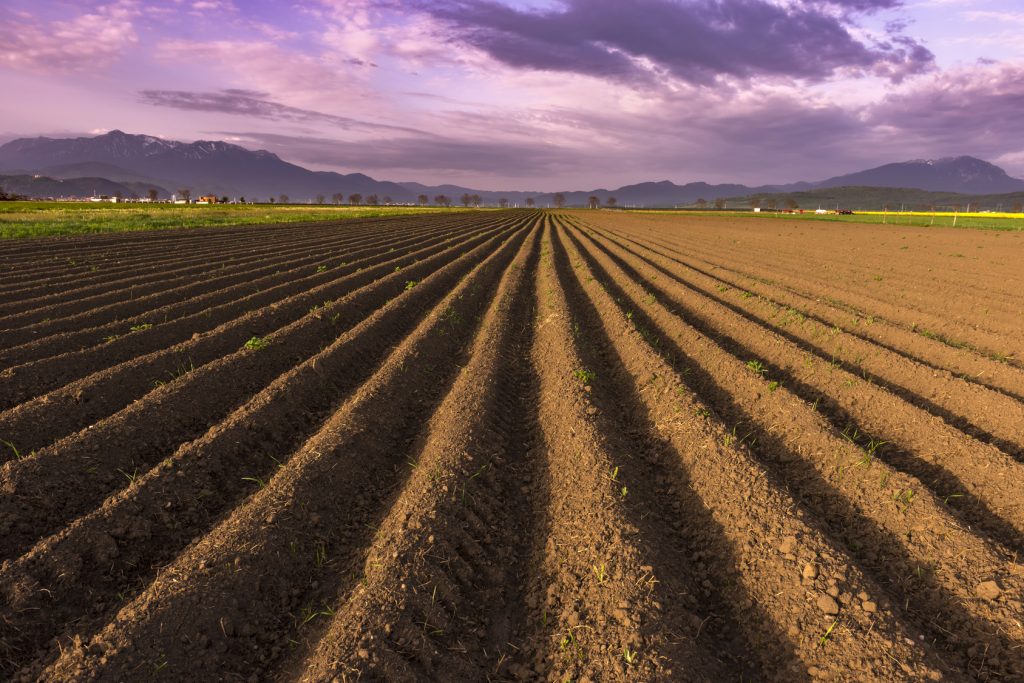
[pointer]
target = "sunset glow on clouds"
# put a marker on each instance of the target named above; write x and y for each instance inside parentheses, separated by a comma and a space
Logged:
(533, 94)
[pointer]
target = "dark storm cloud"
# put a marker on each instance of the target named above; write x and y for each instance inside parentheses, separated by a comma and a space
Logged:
(695, 41)
(256, 105)
(425, 154)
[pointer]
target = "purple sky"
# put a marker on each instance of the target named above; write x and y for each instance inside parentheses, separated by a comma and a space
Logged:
(532, 94)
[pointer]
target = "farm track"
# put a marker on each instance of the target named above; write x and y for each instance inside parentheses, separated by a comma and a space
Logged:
(501, 446)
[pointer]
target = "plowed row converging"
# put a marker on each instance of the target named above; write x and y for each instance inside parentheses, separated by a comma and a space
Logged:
(493, 446)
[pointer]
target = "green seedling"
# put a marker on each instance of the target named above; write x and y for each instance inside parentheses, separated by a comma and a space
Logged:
(130, 477)
(584, 376)
(614, 476)
(757, 367)
(14, 449)
(623, 493)
(257, 343)
(320, 555)
(773, 385)
(321, 268)
(629, 655)
(601, 572)
(904, 498)
(410, 284)
(256, 480)
(141, 328)
(824, 639)
(702, 412)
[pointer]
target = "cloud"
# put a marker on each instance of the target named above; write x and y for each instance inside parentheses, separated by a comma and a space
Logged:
(255, 104)
(441, 155)
(697, 41)
(974, 110)
(90, 41)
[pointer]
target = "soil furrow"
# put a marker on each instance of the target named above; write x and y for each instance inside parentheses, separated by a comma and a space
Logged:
(298, 542)
(307, 272)
(601, 603)
(85, 269)
(975, 478)
(441, 592)
(251, 274)
(902, 536)
(1001, 344)
(22, 311)
(769, 568)
(148, 359)
(111, 454)
(981, 412)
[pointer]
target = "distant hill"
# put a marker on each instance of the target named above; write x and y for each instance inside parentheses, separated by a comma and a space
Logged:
(45, 187)
(221, 168)
(964, 175)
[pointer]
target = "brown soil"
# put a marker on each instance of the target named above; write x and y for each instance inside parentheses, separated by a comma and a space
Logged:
(513, 446)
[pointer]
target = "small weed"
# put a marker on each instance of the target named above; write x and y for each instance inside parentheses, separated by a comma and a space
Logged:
(773, 385)
(601, 572)
(946, 500)
(141, 328)
(702, 412)
(722, 288)
(130, 477)
(321, 268)
(584, 376)
(257, 343)
(623, 493)
(111, 337)
(629, 655)
(256, 480)
(746, 295)
(409, 284)
(320, 555)
(614, 476)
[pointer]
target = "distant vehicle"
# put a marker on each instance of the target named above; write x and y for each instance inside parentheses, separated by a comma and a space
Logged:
(845, 212)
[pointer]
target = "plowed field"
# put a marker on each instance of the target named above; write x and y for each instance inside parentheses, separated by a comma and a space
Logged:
(513, 446)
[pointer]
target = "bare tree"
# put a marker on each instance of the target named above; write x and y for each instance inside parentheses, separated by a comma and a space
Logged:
(792, 203)
(271, 200)
(423, 199)
(466, 199)
(224, 199)
(338, 198)
(531, 202)
(320, 199)
(773, 203)
(355, 198)
(719, 203)
(185, 193)
(503, 203)
(702, 203)
(558, 200)
(476, 199)
(611, 201)
(373, 200)
(153, 194)
(284, 199)
(442, 200)
(387, 199)
(755, 203)
(593, 202)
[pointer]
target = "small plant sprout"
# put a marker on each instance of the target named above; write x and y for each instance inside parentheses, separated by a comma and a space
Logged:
(629, 655)
(256, 480)
(614, 476)
(141, 327)
(14, 449)
(904, 498)
(824, 639)
(320, 555)
(584, 376)
(623, 493)
(601, 572)
(321, 268)
(757, 367)
(257, 343)
(773, 385)
(409, 284)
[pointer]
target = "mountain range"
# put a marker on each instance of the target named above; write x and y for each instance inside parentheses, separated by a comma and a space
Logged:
(132, 164)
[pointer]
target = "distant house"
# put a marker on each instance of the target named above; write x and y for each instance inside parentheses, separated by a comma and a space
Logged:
(207, 199)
